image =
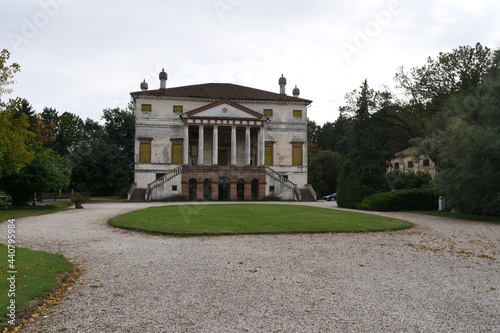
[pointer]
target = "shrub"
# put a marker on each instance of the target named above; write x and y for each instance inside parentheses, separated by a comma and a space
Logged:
(407, 199)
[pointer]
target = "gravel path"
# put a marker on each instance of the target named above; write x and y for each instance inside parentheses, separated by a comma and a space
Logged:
(443, 275)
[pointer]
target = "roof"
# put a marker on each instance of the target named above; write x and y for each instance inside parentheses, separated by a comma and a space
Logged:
(220, 91)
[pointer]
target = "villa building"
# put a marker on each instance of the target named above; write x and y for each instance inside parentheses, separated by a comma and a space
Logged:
(408, 160)
(220, 141)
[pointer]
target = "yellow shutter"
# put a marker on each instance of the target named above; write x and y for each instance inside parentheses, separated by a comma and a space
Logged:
(268, 158)
(178, 108)
(145, 152)
(146, 107)
(177, 154)
(268, 112)
(297, 156)
(297, 113)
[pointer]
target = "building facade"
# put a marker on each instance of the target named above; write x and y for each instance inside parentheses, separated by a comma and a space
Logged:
(219, 141)
(409, 160)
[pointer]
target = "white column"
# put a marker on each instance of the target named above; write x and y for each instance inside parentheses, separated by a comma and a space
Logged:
(215, 148)
(185, 146)
(247, 146)
(261, 149)
(233, 145)
(201, 144)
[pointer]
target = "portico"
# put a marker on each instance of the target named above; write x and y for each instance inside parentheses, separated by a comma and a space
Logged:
(223, 133)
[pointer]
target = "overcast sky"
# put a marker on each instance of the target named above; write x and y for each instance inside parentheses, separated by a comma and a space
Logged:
(84, 56)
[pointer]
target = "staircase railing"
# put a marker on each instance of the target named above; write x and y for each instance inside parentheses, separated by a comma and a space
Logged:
(162, 180)
(283, 180)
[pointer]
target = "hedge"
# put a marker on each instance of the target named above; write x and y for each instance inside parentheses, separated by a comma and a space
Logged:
(408, 199)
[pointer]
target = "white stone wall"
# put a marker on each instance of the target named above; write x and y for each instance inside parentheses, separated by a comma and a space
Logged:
(161, 124)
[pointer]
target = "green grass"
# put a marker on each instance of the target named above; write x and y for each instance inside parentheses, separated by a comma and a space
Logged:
(470, 217)
(15, 212)
(38, 273)
(231, 219)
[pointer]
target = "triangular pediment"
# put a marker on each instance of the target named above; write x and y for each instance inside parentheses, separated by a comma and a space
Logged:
(224, 109)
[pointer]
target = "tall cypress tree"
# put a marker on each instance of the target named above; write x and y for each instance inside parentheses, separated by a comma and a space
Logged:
(363, 169)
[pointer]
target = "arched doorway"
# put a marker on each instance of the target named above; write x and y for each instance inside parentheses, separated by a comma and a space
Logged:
(224, 189)
(207, 190)
(240, 190)
(255, 189)
(193, 189)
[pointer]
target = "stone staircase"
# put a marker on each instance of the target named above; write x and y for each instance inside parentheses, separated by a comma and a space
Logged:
(307, 196)
(139, 194)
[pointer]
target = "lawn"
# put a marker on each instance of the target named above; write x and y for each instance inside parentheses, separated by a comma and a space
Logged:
(38, 273)
(232, 219)
(15, 212)
(470, 217)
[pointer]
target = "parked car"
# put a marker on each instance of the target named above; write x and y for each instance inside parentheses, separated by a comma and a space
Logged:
(331, 197)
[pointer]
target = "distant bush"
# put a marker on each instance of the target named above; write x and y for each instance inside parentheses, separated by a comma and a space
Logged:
(397, 180)
(408, 199)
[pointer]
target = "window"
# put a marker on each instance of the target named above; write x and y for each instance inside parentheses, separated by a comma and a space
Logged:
(146, 107)
(174, 188)
(145, 151)
(268, 155)
(410, 164)
(426, 163)
(178, 109)
(177, 153)
(268, 112)
(396, 166)
(297, 154)
(297, 113)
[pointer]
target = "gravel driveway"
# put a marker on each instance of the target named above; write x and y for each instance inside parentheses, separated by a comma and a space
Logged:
(442, 275)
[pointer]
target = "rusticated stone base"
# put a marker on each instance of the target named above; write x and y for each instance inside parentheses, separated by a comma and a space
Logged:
(223, 183)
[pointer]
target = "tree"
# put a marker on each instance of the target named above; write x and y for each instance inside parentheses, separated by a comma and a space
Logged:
(46, 126)
(362, 171)
(14, 138)
(14, 134)
(69, 133)
(46, 172)
(98, 168)
(455, 72)
(6, 72)
(464, 142)
(323, 171)
(103, 161)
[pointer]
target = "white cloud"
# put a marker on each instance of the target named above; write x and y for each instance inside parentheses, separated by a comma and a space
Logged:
(90, 55)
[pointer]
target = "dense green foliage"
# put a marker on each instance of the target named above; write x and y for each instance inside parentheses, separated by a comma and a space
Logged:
(465, 141)
(449, 108)
(407, 199)
(397, 180)
(217, 219)
(46, 172)
(362, 171)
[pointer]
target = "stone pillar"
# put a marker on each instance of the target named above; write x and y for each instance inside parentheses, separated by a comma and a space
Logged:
(247, 146)
(261, 149)
(185, 146)
(233, 145)
(201, 144)
(215, 148)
